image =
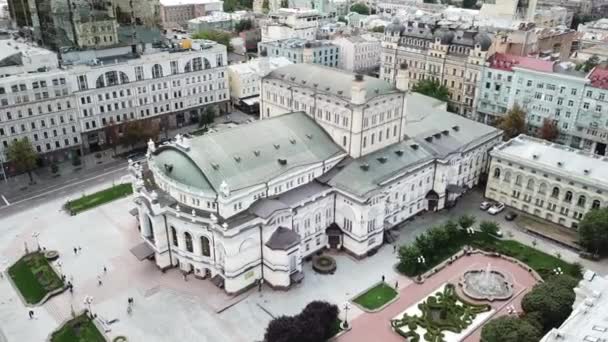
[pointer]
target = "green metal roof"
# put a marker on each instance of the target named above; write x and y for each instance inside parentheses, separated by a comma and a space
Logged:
(330, 80)
(181, 168)
(250, 154)
(363, 175)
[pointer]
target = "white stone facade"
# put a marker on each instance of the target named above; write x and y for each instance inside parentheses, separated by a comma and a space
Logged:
(245, 78)
(550, 181)
(359, 53)
(68, 109)
(244, 227)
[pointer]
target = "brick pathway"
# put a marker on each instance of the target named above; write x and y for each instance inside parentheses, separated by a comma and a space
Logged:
(376, 327)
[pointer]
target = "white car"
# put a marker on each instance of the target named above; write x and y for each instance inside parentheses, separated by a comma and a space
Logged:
(485, 205)
(496, 208)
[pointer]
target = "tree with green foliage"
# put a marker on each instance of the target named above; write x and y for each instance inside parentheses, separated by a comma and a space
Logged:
(284, 4)
(360, 8)
(379, 29)
(432, 88)
(342, 19)
(469, 4)
(207, 117)
(551, 300)
(313, 324)
(243, 25)
(408, 259)
(22, 154)
(219, 37)
(489, 227)
(549, 130)
(513, 123)
(266, 6)
(510, 329)
(589, 64)
(593, 231)
(579, 19)
(236, 5)
(466, 221)
(140, 131)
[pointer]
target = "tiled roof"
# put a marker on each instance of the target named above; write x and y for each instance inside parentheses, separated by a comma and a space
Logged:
(502, 61)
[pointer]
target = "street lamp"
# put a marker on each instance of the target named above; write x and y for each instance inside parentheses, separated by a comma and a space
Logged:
(346, 308)
(470, 231)
(88, 300)
(35, 235)
(558, 271)
(420, 260)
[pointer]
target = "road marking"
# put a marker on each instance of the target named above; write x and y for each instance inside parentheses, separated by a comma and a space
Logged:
(66, 186)
(5, 201)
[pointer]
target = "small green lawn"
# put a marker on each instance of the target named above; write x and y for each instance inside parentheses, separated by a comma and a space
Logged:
(80, 329)
(34, 277)
(376, 297)
(98, 198)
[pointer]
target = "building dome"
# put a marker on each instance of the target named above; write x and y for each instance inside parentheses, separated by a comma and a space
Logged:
(445, 36)
(394, 26)
(484, 40)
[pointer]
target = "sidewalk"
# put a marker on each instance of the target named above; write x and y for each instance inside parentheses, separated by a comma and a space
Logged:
(94, 163)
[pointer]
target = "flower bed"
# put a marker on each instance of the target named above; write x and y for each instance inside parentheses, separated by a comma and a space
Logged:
(443, 316)
(79, 329)
(34, 277)
(324, 264)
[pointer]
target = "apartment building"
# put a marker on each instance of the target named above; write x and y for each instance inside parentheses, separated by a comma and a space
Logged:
(360, 53)
(323, 52)
(576, 102)
(177, 13)
(455, 58)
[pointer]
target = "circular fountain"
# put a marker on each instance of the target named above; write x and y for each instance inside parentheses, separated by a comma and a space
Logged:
(486, 284)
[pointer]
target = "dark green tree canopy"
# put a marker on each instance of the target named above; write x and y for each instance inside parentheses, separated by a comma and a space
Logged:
(360, 8)
(313, 324)
(510, 329)
(593, 231)
(552, 300)
(432, 88)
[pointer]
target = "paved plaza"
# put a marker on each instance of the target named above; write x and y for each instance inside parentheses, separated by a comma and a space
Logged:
(167, 308)
(376, 326)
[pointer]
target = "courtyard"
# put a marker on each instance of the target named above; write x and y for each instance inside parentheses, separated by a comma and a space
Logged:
(168, 308)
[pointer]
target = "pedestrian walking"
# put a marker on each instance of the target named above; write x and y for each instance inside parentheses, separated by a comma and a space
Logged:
(396, 285)
(395, 248)
(99, 283)
(105, 270)
(185, 276)
(71, 288)
(75, 251)
(79, 249)
(31, 313)
(383, 278)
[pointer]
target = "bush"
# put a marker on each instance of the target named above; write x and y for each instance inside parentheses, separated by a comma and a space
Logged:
(466, 221)
(510, 329)
(489, 227)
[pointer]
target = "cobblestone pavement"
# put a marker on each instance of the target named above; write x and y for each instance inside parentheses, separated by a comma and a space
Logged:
(167, 308)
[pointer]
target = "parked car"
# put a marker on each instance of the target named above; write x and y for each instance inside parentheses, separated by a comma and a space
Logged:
(496, 208)
(510, 216)
(485, 205)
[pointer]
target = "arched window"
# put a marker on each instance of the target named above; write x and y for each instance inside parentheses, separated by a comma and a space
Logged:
(581, 201)
(496, 173)
(196, 64)
(205, 246)
(518, 180)
(507, 176)
(188, 239)
(157, 71)
(174, 236)
(595, 204)
(530, 185)
(111, 78)
(568, 197)
(555, 192)
(542, 189)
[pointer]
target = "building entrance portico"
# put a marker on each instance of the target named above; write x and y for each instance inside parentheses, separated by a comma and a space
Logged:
(334, 236)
